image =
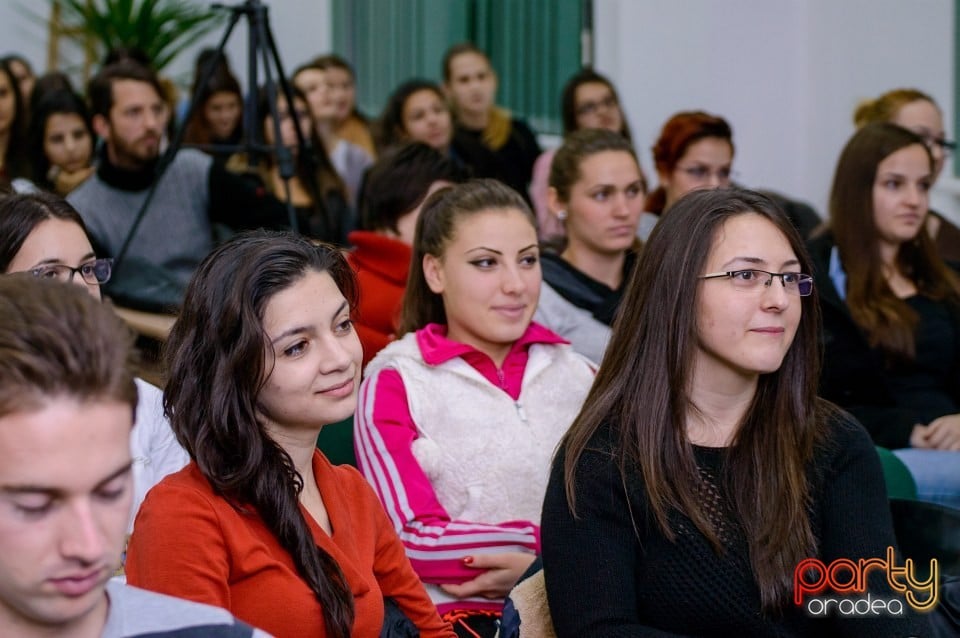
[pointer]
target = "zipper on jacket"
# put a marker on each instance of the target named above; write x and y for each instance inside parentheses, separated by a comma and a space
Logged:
(521, 413)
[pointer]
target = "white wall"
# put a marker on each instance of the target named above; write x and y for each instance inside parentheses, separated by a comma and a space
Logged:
(785, 73)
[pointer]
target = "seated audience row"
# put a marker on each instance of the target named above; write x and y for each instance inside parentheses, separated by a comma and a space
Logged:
(749, 359)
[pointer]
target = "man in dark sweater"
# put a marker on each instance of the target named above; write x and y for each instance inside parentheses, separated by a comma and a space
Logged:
(192, 195)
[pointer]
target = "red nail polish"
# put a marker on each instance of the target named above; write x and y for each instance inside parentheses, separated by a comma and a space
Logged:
(468, 560)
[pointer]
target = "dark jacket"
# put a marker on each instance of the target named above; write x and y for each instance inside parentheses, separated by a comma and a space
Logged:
(854, 374)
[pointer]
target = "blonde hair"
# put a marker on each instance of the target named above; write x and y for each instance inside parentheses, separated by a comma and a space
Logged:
(885, 107)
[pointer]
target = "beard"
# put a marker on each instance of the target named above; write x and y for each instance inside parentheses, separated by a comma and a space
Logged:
(134, 154)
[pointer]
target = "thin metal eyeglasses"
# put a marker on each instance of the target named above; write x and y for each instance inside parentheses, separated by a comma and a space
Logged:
(93, 272)
(795, 283)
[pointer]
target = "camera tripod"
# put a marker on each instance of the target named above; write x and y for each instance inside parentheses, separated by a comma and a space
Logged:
(262, 51)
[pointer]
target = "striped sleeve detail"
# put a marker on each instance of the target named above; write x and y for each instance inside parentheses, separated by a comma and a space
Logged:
(384, 432)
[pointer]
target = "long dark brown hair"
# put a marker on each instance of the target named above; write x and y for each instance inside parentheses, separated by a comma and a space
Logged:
(216, 366)
(436, 228)
(888, 321)
(641, 392)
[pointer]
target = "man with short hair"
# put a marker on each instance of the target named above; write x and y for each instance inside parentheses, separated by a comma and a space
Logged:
(130, 115)
(67, 400)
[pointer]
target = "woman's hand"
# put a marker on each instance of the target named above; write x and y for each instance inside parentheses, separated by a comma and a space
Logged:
(65, 182)
(940, 434)
(501, 572)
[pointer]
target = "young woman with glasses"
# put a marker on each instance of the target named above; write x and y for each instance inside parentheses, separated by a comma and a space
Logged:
(589, 100)
(42, 234)
(891, 307)
(596, 193)
(458, 418)
(703, 468)
(916, 111)
(694, 150)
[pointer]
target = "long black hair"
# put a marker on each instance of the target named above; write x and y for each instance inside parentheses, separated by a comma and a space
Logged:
(216, 364)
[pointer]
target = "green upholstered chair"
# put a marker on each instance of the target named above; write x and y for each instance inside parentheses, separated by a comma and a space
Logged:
(336, 442)
(900, 483)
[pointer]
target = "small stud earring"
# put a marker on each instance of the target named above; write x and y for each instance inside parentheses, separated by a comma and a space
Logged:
(562, 215)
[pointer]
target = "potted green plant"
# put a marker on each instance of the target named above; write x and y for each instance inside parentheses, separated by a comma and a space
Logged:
(159, 28)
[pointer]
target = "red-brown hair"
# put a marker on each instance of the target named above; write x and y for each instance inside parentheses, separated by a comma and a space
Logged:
(677, 135)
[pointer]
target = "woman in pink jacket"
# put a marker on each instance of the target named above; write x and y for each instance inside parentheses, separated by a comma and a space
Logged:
(458, 418)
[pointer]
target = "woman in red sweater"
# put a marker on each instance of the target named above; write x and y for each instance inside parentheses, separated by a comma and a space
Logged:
(260, 523)
(393, 193)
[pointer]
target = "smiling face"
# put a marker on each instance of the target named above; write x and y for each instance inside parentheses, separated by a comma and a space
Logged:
(900, 195)
(66, 142)
(426, 119)
(472, 84)
(705, 164)
(222, 111)
(313, 357)
(605, 204)
(489, 278)
(56, 241)
(65, 495)
(742, 334)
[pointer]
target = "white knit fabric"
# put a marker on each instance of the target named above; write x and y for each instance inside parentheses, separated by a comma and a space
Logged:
(488, 457)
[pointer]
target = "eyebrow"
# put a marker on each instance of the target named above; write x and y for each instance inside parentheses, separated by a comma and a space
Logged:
(892, 173)
(52, 491)
(760, 262)
(57, 260)
(498, 252)
(299, 329)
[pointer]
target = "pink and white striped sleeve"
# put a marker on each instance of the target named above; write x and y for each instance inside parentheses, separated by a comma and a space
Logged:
(384, 432)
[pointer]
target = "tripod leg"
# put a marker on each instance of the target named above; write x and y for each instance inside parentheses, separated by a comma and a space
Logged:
(172, 148)
(334, 225)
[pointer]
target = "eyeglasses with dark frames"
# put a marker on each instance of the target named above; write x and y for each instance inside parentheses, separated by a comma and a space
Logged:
(796, 283)
(942, 142)
(94, 272)
(589, 108)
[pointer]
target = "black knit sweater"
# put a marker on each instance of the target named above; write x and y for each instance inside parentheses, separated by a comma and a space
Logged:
(604, 580)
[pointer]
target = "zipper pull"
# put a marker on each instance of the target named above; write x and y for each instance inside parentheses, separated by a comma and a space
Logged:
(521, 413)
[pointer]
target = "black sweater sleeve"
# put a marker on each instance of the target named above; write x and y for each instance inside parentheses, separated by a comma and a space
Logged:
(241, 203)
(855, 523)
(588, 560)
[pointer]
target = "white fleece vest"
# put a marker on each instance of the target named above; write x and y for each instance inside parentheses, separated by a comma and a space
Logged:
(488, 457)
